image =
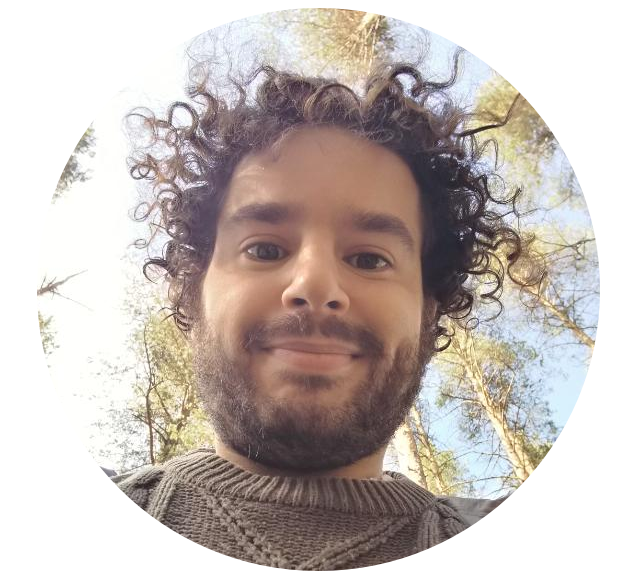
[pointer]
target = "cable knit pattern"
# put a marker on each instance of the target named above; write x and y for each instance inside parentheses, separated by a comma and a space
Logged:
(288, 522)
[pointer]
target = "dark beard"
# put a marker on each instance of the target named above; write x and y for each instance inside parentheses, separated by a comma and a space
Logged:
(309, 438)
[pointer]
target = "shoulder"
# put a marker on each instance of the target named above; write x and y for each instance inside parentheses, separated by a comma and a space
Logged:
(524, 531)
(138, 485)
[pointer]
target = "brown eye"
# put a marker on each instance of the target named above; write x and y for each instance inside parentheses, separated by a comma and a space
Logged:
(267, 252)
(368, 261)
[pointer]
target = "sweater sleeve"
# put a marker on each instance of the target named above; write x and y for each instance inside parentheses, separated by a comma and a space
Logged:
(138, 485)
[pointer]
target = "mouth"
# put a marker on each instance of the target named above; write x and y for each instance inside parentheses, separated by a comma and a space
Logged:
(311, 361)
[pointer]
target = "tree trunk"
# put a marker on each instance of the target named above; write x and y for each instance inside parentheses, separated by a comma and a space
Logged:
(434, 473)
(149, 422)
(408, 455)
(564, 319)
(512, 443)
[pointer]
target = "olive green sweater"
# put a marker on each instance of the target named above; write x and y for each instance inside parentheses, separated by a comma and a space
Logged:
(292, 523)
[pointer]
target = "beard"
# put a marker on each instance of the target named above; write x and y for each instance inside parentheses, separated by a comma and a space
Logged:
(302, 436)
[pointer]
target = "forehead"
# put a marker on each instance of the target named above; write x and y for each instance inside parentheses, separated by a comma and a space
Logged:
(329, 150)
(328, 172)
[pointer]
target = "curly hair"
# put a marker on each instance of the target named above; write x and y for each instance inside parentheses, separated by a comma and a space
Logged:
(189, 163)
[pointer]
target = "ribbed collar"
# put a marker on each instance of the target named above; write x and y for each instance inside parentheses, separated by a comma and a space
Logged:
(398, 496)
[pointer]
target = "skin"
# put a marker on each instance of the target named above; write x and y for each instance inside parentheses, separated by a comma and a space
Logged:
(316, 260)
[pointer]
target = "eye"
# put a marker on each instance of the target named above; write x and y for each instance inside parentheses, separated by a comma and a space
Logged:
(368, 261)
(265, 251)
(268, 252)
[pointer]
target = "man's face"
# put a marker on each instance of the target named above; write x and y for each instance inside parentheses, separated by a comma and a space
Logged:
(310, 346)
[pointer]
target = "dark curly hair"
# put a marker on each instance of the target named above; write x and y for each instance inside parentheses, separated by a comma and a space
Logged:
(194, 149)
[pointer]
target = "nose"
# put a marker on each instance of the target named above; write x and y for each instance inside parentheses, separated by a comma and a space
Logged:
(316, 283)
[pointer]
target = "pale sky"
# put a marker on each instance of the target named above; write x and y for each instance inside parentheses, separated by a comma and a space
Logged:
(145, 64)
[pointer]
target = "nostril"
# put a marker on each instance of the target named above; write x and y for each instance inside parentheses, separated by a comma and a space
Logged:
(333, 305)
(298, 302)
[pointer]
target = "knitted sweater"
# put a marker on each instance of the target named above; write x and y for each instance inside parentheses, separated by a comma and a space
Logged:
(289, 522)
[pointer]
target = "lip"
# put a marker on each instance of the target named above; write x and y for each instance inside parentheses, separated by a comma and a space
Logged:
(314, 347)
(312, 361)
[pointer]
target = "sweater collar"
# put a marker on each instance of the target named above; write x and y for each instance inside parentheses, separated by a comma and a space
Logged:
(397, 496)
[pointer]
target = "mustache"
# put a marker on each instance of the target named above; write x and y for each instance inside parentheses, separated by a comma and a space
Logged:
(303, 324)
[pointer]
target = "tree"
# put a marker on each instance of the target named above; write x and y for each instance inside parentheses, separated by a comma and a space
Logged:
(66, 72)
(566, 297)
(337, 43)
(66, 69)
(444, 473)
(166, 393)
(490, 378)
(52, 285)
(45, 344)
(553, 215)
(559, 64)
(420, 459)
(408, 454)
(162, 418)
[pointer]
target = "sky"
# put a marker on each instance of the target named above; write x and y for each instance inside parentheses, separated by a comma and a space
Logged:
(89, 229)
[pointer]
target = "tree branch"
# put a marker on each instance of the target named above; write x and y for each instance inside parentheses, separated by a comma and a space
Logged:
(52, 285)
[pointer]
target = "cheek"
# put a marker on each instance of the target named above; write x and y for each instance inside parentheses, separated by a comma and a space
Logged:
(401, 303)
(406, 324)
(394, 318)
(232, 303)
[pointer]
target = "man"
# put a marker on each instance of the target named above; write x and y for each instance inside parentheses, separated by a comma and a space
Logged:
(316, 240)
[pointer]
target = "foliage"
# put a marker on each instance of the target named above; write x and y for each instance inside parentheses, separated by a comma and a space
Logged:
(46, 333)
(73, 171)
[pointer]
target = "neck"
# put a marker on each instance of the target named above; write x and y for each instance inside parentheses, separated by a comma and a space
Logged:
(367, 468)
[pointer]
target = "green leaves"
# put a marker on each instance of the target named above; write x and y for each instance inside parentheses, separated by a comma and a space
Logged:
(165, 398)
(336, 43)
(552, 214)
(561, 62)
(45, 345)
(59, 142)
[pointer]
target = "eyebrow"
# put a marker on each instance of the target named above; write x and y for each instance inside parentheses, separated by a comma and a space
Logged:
(365, 221)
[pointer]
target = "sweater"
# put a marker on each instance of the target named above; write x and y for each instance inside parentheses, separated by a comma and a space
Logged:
(292, 522)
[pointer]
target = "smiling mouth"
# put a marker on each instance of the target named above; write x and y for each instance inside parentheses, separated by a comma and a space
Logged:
(312, 362)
